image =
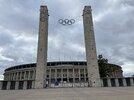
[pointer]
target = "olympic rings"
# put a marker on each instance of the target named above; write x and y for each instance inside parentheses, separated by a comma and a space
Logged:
(66, 21)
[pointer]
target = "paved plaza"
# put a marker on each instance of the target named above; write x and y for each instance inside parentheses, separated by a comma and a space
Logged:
(113, 93)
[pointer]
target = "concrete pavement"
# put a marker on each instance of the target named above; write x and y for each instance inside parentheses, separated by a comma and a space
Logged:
(113, 93)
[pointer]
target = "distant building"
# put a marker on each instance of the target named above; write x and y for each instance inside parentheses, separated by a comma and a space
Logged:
(65, 71)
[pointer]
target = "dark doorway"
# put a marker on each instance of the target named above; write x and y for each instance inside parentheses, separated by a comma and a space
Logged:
(21, 83)
(77, 80)
(71, 80)
(120, 82)
(105, 83)
(113, 82)
(128, 82)
(12, 86)
(59, 80)
(29, 84)
(4, 85)
(65, 79)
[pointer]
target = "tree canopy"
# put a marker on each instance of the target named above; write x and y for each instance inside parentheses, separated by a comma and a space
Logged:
(105, 68)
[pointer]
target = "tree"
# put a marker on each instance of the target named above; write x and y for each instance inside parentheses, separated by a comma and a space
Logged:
(105, 68)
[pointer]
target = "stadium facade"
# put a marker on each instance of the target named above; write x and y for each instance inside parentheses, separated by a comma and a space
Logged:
(57, 73)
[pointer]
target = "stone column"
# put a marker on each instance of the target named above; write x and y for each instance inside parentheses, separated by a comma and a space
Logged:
(91, 56)
(16, 85)
(61, 74)
(55, 74)
(50, 77)
(101, 80)
(0, 85)
(109, 82)
(9, 76)
(85, 74)
(41, 67)
(117, 82)
(17, 75)
(25, 85)
(33, 77)
(73, 76)
(28, 75)
(33, 83)
(79, 75)
(132, 81)
(34, 74)
(14, 76)
(124, 82)
(21, 75)
(24, 75)
(67, 75)
(8, 85)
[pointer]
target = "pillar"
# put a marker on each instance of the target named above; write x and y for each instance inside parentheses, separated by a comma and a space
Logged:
(73, 76)
(116, 82)
(67, 75)
(55, 74)
(16, 85)
(21, 75)
(131, 81)
(124, 82)
(33, 83)
(8, 85)
(17, 75)
(62, 74)
(109, 82)
(24, 75)
(84, 74)
(14, 76)
(34, 74)
(50, 77)
(91, 56)
(25, 85)
(79, 75)
(101, 80)
(0, 85)
(9, 75)
(33, 77)
(41, 67)
(29, 75)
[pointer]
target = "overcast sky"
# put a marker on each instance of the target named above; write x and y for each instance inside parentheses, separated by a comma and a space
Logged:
(113, 25)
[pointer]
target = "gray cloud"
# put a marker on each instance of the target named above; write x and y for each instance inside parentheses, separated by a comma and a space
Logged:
(113, 23)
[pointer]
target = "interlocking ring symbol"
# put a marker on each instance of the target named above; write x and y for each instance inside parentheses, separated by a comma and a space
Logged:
(66, 21)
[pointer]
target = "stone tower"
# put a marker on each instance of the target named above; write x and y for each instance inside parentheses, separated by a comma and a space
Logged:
(40, 80)
(91, 56)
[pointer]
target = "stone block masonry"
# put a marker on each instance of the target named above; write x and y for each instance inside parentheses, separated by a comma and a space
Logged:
(91, 56)
(40, 80)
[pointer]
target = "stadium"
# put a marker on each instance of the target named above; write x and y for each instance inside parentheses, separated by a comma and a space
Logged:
(58, 73)
(45, 74)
